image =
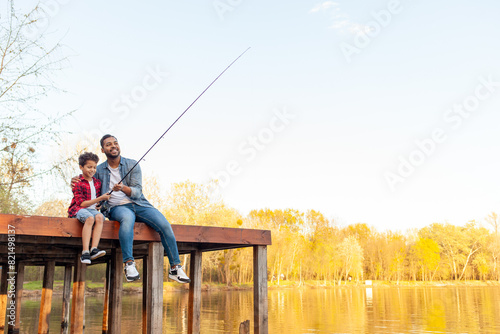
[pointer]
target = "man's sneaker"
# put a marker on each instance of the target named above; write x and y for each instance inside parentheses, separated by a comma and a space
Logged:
(96, 253)
(131, 271)
(178, 274)
(85, 258)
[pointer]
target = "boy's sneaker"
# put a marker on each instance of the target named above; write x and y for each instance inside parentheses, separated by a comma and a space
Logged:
(178, 274)
(96, 253)
(131, 271)
(85, 258)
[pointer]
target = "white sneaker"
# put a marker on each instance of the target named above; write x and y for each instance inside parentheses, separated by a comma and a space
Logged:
(131, 271)
(178, 274)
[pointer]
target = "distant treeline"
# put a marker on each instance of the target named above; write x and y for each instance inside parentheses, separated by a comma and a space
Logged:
(308, 246)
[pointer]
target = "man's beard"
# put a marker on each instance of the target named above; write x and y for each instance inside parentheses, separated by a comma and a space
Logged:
(110, 155)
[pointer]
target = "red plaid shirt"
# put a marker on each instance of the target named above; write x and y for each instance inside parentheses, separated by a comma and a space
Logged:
(81, 193)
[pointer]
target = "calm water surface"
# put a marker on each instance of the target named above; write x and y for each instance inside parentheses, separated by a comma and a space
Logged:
(329, 310)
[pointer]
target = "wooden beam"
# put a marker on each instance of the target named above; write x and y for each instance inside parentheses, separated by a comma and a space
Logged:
(70, 227)
(194, 311)
(66, 298)
(3, 297)
(260, 290)
(155, 288)
(145, 289)
(105, 311)
(46, 302)
(19, 273)
(115, 292)
(73, 243)
(78, 304)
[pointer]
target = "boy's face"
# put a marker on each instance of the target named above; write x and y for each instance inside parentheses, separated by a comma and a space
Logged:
(88, 170)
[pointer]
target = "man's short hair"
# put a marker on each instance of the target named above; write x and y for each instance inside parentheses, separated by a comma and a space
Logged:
(104, 138)
(84, 157)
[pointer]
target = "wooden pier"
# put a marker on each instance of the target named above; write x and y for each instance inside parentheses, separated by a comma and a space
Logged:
(51, 241)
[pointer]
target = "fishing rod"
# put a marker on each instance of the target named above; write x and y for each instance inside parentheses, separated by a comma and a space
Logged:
(164, 133)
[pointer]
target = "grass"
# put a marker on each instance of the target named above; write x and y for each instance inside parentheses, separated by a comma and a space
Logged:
(206, 286)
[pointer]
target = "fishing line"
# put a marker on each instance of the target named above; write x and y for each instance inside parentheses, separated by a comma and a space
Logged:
(164, 133)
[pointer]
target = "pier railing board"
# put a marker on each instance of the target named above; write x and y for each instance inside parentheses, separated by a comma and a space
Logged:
(71, 228)
(50, 241)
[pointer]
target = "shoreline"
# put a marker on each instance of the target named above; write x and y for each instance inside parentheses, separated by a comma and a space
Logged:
(97, 288)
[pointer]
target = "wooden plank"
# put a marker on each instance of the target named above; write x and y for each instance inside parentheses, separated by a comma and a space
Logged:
(145, 289)
(155, 288)
(105, 311)
(194, 311)
(78, 304)
(19, 270)
(70, 227)
(46, 302)
(65, 242)
(66, 298)
(260, 289)
(3, 297)
(115, 292)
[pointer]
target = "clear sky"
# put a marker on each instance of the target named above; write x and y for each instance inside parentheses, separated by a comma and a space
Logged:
(381, 112)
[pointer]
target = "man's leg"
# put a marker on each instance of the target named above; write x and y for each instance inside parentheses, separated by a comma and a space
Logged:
(160, 224)
(125, 215)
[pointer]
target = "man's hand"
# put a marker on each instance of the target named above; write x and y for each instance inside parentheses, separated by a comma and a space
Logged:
(118, 187)
(74, 180)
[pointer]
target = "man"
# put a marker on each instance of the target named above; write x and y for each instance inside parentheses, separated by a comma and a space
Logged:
(127, 205)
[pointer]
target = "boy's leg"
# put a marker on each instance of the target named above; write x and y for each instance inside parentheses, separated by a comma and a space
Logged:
(87, 219)
(160, 224)
(96, 234)
(125, 215)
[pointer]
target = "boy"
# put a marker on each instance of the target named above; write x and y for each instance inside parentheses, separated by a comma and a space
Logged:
(86, 194)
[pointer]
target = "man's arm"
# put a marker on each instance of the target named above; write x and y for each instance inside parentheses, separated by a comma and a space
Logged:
(135, 183)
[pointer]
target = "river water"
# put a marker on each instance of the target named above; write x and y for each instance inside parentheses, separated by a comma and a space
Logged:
(323, 310)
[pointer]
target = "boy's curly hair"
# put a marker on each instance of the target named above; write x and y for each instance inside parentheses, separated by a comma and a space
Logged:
(84, 157)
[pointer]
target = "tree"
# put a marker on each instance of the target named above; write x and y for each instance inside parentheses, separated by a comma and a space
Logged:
(26, 69)
(53, 208)
(426, 252)
(351, 254)
(458, 244)
(494, 244)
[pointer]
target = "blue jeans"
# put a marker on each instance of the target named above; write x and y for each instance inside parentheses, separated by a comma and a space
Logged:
(127, 215)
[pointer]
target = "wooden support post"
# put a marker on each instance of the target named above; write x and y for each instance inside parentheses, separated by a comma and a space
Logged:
(78, 305)
(46, 302)
(19, 274)
(105, 311)
(145, 289)
(155, 288)
(194, 311)
(260, 290)
(66, 299)
(245, 327)
(115, 292)
(3, 297)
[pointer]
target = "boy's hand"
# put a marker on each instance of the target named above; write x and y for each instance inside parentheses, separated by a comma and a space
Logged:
(74, 180)
(104, 197)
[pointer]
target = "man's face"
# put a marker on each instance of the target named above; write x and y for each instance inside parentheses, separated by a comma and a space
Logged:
(110, 147)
